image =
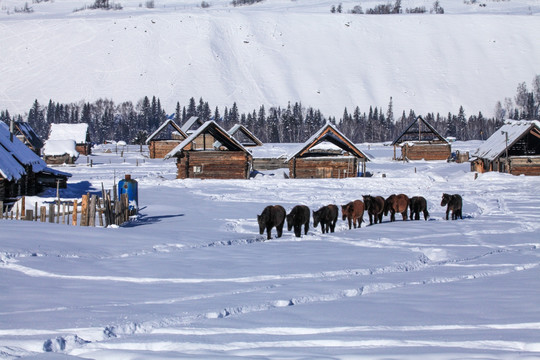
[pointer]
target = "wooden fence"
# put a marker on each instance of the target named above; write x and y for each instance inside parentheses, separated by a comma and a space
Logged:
(90, 210)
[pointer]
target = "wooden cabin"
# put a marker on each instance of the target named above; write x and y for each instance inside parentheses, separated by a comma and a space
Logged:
(164, 139)
(58, 152)
(514, 149)
(28, 136)
(420, 141)
(77, 132)
(191, 126)
(197, 157)
(327, 154)
(23, 172)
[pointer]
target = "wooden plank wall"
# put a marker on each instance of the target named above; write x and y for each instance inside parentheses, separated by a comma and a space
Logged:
(159, 148)
(306, 168)
(214, 165)
(525, 166)
(84, 149)
(427, 151)
(268, 164)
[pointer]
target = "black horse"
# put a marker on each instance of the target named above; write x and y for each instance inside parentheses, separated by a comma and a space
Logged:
(327, 216)
(418, 204)
(298, 216)
(272, 215)
(455, 204)
(375, 208)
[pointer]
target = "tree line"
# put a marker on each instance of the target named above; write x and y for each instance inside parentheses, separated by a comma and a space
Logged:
(292, 123)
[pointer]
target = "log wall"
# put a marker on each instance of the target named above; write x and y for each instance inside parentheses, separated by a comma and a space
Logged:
(269, 164)
(213, 165)
(525, 166)
(159, 148)
(84, 149)
(317, 168)
(427, 151)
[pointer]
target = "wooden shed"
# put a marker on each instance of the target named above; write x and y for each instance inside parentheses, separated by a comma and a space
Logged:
(77, 132)
(164, 139)
(327, 154)
(22, 172)
(28, 136)
(229, 160)
(420, 141)
(514, 149)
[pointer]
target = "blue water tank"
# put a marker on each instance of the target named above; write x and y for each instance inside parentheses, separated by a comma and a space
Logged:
(129, 186)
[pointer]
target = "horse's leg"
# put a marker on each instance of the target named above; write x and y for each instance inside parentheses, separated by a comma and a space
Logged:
(404, 214)
(268, 232)
(447, 212)
(392, 216)
(297, 230)
(425, 215)
(279, 229)
(333, 226)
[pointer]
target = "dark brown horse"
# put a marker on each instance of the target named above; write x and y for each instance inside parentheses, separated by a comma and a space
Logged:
(298, 216)
(375, 208)
(272, 215)
(327, 216)
(418, 204)
(396, 204)
(353, 212)
(455, 204)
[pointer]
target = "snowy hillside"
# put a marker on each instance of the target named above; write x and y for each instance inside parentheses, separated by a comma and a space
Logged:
(191, 278)
(269, 53)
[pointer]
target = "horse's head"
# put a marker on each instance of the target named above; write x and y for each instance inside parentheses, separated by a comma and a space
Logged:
(344, 211)
(316, 218)
(262, 224)
(290, 221)
(367, 201)
(445, 199)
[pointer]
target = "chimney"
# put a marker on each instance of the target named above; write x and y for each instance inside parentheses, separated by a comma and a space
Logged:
(11, 129)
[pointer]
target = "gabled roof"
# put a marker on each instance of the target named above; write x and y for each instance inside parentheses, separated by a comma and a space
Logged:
(10, 168)
(328, 133)
(19, 151)
(29, 134)
(189, 125)
(211, 128)
(242, 129)
(77, 132)
(497, 143)
(419, 130)
(163, 126)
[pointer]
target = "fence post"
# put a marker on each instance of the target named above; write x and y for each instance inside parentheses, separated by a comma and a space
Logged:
(1, 209)
(29, 215)
(51, 213)
(36, 211)
(74, 217)
(92, 212)
(43, 214)
(23, 207)
(84, 210)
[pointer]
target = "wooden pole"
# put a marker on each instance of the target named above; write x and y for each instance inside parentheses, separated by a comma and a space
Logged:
(63, 213)
(1, 209)
(51, 213)
(84, 210)
(29, 215)
(23, 207)
(74, 217)
(36, 211)
(92, 212)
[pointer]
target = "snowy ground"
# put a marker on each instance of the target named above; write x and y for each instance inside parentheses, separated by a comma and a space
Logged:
(192, 278)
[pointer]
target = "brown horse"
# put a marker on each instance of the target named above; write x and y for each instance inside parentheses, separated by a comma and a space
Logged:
(418, 204)
(455, 204)
(375, 207)
(298, 216)
(396, 204)
(327, 216)
(353, 212)
(272, 215)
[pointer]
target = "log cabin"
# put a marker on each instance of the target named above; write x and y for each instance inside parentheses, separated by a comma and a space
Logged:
(28, 136)
(420, 141)
(197, 157)
(164, 139)
(514, 149)
(77, 132)
(327, 154)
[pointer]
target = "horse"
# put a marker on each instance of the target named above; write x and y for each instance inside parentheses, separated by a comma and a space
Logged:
(418, 204)
(455, 204)
(353, 212)
(298, 216)
(396, 204)
(375, 207)
(327, 216)
(272, 215)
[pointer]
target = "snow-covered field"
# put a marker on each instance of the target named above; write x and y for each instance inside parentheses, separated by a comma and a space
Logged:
(269, 54)
(192, 278)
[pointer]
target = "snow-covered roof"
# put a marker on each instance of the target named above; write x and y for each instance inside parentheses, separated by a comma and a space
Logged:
(19, 151)
(216, 131)
(328, 133)
(60, 147)
(10, 168)
(497, 143)
(189, 124)
(77, 132)
(163, 126)
(29, 134)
